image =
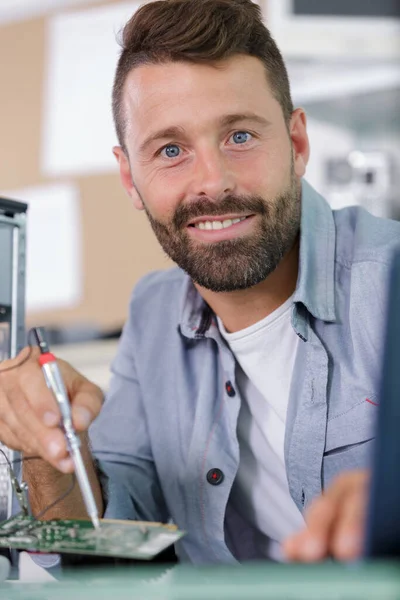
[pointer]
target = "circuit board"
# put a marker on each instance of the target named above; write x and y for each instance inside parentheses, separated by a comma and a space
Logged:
(125, 539)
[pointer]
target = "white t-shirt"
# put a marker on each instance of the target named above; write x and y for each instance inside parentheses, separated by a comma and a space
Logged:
(265, 353)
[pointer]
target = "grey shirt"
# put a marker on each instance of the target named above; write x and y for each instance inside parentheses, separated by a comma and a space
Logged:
(170, 417)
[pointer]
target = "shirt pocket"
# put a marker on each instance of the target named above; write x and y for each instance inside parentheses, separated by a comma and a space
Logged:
(349, 440)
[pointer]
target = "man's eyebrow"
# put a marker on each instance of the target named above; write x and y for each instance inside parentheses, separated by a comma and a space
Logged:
(163, 134)
(235, 118)
(178, 133)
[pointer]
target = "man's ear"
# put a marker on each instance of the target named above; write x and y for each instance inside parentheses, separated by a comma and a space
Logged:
(126, 177)
(300, 143)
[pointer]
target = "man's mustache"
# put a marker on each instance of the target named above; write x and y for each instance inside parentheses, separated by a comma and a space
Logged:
(230, 204)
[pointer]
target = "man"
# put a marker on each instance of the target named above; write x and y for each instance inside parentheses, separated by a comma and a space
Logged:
(244, 383)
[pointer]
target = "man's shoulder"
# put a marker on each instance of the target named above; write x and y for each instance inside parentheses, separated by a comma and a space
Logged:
(363, 238)
(365, 247)
(165, 281)
(158, 294)
(155, 304)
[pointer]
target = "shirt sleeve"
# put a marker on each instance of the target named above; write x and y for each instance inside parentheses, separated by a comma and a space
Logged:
(121, 446)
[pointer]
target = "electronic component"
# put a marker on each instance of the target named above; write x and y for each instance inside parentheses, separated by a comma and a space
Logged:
(12, 311)
(125, 539)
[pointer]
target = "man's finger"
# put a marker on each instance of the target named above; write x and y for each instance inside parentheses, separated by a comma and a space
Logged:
(347, 538)
(86, 398)
(323, 519)
(10, 440)
(26, 425)
(312, 544)
(14, 434)
(87, 402)
(10, 364)
(31, 382)
(17, 437)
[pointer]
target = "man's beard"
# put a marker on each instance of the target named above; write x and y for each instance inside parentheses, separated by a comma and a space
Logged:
(241, 262)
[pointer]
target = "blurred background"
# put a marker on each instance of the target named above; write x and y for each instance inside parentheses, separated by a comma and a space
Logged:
(86, 245)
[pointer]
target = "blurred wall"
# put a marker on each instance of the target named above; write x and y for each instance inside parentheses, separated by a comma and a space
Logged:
(118, 246)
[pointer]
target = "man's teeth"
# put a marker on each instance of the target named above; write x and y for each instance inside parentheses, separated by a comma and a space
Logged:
(218, 224)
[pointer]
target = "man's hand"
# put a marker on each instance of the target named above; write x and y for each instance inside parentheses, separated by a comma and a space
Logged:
(29, 414)
(335, 522)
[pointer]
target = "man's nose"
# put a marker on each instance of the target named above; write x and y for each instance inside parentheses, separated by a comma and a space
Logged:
(212, 177)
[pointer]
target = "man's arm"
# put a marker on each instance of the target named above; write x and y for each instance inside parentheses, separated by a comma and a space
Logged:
(46, 484)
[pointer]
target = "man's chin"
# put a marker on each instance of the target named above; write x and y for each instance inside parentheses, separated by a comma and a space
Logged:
(225, 278)
(223, 287)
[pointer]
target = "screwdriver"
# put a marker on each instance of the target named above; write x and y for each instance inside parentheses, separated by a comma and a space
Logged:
(55, 383)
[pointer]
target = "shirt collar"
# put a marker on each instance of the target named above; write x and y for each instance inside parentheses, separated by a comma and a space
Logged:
(193, 310)
(316, 280)
(315, 287)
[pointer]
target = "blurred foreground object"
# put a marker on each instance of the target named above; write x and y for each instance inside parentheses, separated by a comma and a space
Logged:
(264, 581)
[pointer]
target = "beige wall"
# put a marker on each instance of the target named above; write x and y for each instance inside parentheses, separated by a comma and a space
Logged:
(118, 245)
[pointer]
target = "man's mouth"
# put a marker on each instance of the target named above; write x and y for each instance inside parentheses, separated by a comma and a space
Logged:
(215, 224)
(210, 229)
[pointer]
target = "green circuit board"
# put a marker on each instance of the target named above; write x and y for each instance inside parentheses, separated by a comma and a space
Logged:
(125, 539)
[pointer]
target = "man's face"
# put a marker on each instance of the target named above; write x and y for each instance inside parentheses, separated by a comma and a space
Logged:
(214, 167)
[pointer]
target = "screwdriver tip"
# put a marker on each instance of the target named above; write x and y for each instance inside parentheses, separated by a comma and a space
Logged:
(96, 522)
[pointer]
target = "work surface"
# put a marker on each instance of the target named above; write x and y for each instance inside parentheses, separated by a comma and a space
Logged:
(373, 581)
(127, 539)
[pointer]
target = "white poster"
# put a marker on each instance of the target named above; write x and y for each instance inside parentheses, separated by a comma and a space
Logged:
(82, 52)
(22, 10)
(54, 246)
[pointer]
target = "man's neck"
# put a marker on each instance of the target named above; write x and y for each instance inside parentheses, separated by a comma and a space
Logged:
(242, 308)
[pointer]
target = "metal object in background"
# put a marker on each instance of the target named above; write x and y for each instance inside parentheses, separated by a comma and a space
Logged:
(12, 310)
(366, 178)
(5, 330)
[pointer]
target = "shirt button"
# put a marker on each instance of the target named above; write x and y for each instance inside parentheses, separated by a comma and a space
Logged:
(215, 476)
(230, 390)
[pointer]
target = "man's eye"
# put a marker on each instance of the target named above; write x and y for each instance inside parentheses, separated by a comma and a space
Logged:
(241, 137)
(171, 151)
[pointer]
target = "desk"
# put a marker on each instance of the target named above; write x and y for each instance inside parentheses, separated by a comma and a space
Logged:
(373, 581)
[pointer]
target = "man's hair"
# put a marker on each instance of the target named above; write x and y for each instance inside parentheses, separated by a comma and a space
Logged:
(198, 31)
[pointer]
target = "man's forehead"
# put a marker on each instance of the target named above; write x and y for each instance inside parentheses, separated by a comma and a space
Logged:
(184, 77)
(174, 91)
